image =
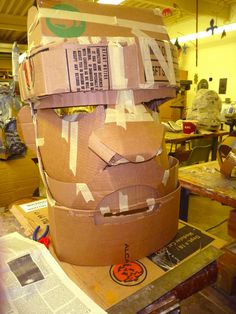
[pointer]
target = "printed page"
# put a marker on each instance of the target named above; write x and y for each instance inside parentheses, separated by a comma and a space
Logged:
(33, 282)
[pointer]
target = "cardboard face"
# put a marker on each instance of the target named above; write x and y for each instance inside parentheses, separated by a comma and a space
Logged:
(96, 160)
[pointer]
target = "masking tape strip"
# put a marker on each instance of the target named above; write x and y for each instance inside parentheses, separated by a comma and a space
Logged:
(83, 188)
(164, 65)
(73, 146)
(116, 59)
(105, 210)
(139, 158)
(151, 203)
(165, 177)
(99, 19)
(145, 42)
(146, 57)
(170, 63)
(39, 141)
(51, 201)
(119, 116)
(88, 40)
(123, 202)
(65, 130)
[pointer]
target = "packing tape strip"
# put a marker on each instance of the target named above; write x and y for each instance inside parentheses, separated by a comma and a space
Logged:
(151, 203)
(147, 63)
(166, 176)
(139, 158)
(73, 146)
(116, 59)
(83, 188)
(99, 19)
(65, 130)
(123, 202)
(39, 141)
(145, 42)
(172, 79)
(51, 201)
(105, 210)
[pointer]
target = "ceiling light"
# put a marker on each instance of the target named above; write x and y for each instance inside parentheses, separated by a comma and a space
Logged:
(192, 37)
(115, 2)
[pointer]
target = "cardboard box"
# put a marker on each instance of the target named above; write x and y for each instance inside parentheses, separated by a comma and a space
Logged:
(30, 213)
(83, 237)
(51, 21)
(25, 128)
(109, 64)
(19, 178)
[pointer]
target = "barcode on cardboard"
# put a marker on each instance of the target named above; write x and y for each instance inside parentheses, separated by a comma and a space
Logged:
(33, 206)
(89, 68)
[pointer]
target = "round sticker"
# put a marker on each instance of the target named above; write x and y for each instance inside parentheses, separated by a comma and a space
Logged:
(128, 274)
(71, 29)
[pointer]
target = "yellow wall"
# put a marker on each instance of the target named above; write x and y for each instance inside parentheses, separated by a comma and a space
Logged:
(216, 58)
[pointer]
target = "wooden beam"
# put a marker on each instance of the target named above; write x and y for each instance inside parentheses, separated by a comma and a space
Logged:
(13, 23)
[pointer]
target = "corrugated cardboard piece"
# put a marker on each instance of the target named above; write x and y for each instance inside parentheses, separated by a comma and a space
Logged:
(25, 128)
(101, 240)
(100, 65)
(80, 18)
(112, 49)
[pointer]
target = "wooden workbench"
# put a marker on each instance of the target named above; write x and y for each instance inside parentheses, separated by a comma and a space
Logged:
(205, 179)
(180, 137)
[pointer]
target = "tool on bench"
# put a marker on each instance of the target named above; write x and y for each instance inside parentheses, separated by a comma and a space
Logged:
(43, 238)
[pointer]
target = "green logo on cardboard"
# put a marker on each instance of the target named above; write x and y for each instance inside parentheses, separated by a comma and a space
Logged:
(71, 29)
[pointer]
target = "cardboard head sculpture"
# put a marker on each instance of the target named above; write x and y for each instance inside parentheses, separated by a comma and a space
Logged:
(113, 192)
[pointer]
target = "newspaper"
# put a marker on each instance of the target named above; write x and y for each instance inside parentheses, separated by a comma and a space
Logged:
(33, 282)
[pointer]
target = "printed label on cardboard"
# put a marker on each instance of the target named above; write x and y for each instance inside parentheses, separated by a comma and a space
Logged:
(187, 241)
(33, 206)
(88, 68)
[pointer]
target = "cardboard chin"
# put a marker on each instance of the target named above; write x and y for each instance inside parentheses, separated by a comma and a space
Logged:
(90, 238)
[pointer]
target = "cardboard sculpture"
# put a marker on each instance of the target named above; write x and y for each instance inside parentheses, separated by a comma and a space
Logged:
(113, 192)
(227, 156)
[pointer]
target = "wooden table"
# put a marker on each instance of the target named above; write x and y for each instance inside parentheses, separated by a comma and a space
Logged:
(158, 287)
(205, 179)
(180, 137)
